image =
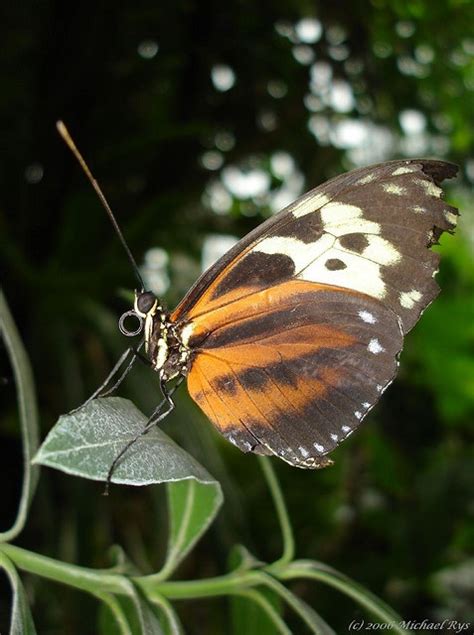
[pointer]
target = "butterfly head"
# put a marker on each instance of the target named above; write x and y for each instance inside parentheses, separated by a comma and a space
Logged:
(146, 304)
(145, 309)
(164, 344)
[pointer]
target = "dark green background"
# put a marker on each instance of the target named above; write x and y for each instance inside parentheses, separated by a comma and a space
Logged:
(396, 511)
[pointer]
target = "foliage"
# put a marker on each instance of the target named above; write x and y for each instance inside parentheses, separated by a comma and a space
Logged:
(134, 83)
(85, 443)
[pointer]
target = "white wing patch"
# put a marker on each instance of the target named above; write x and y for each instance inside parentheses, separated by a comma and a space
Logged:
(310, 261)
(340, 219)
(359, 274)
(431, 188)
(368, 317)
(408, 299)
(301, 253)
(381, 251)
(358, 271)
(309, 204)
(408, 169)
(368, 178)
(450, 217)
(393, 188)
(375, 346)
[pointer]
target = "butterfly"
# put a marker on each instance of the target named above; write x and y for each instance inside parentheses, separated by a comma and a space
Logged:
(290, 339)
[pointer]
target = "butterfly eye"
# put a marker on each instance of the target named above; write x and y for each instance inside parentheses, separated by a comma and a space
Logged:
(145, 301)
(130, 332)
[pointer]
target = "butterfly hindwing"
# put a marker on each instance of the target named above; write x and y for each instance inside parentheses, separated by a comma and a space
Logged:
(293, 368)
(295, 333)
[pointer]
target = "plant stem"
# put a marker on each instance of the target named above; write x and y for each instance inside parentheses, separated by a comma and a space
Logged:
(192, 589)
(94, 581)
(64, 572)
(282, 513)
(28, 413)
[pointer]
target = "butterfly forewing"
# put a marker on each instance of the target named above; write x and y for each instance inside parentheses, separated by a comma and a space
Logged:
(295, 332)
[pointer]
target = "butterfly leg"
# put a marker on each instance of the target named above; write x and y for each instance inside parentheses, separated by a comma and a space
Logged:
(155, 418)
(102, 390)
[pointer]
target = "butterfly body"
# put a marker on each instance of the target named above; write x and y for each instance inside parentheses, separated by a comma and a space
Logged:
(290, 339)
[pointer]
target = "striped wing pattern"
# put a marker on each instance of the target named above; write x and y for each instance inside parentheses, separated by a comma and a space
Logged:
(295, 332)
(297, 377)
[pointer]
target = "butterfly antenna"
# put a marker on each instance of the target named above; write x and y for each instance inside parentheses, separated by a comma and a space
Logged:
(63, 131)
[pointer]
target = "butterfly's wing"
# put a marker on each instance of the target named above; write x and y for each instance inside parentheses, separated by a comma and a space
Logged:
(295, 332)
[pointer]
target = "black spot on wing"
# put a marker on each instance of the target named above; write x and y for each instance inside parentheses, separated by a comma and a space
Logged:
(256, 269)
(335, 264)
(355, 184)
(354, 242)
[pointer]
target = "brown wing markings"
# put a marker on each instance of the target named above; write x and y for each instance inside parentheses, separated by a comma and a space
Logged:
(245, 352)
(426, 170)
(310, 396)
(298, 413)
(197, 370)
(314, 403)
(206, 297)
(321, 321)
(303, 426)
(215, 353)
(224, 405)
(262, 415)
(321, 379)
(211, 309)
(361, 355)
(332, 387)
(205, 393)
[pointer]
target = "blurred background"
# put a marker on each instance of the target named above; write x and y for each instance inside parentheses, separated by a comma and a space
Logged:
(200, 120)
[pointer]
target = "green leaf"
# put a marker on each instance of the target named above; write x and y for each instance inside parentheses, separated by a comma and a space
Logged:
(192, 507)
(112, 617)
(21, 622)
(139, 612)
(313, 620)
(323, 573)
(172, 625)
(28, 413)
(86, 442)
(257, 612)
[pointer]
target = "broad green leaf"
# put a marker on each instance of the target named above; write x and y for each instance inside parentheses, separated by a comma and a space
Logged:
(192, 507)
(323, 573)
(86, 442)
(28, 414)
(21, 622)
